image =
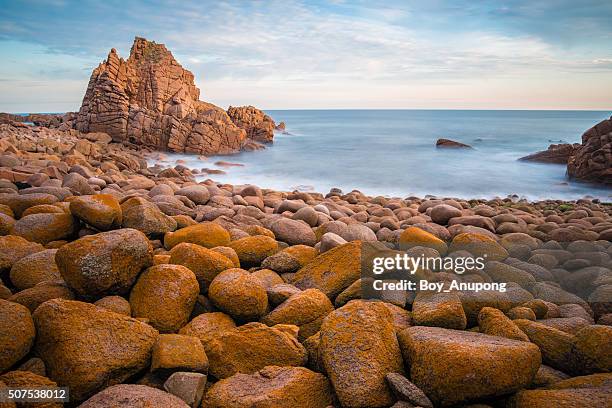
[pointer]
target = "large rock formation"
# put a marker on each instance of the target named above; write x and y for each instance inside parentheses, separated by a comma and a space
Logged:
(150, 99)
(593, 160)
(556, 153)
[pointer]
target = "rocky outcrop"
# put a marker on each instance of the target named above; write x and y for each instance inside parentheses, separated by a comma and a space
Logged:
(593, 159)
(258, 125)
(556, 153)
(150, 99)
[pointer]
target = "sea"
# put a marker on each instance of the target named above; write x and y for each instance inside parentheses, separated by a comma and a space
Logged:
(393, 153)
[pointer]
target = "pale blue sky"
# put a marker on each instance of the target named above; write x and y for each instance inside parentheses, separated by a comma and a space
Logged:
(313, 54)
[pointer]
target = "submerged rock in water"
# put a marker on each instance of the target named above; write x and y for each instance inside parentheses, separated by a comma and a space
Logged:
(444, 143)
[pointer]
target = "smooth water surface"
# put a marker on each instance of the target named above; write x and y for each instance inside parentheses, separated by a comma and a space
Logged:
(392, 152)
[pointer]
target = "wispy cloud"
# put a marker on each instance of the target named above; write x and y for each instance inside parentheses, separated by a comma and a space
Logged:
(284, 48)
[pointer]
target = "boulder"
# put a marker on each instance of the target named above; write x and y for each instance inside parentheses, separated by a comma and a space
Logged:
(207, 326)
(266, 346)
(358, 347)
(46, 227)
(187, 386)
(115, 304)
(14, 248)
(239, 294)
(273, 387)
(332, 271)
(204, 262)
(413, 236)
(440, 360)
(176, 352)
(16, 333)
(165, 295)
(133, 396)
(494, 322)
(34, 269)
(88, 348)
(101, 211)
(207, 234)
(148, 219)
(293, 232)
(254, 249)
(438, 309)
(305, 309)
(479, 246)
(106, 263)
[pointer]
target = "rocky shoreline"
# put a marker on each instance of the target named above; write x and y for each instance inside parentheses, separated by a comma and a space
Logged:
(137, 286)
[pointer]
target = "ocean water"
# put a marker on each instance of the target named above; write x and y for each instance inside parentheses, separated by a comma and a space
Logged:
(393, 153)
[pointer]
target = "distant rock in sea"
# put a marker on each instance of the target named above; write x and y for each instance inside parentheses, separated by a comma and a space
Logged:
(151, 100)
(447, 143)
(556, 153)
(593, 159)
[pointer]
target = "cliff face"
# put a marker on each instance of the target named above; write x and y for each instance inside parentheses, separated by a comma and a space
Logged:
(593, 159)
(150, 99)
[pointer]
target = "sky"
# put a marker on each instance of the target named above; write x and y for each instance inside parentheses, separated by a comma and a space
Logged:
(434, 54)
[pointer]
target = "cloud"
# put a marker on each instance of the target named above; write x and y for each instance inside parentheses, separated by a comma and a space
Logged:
(352, 48)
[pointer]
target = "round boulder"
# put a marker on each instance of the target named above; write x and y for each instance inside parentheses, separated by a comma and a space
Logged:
(239, 294)
(106, 263)
(101, 211)
(165, 294)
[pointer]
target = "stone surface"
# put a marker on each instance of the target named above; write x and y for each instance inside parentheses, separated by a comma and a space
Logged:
(239, 294)
(176, 352)
(251, 347)
(88, 348)
(271, 387)
(133, 396)
(101, 211)
(593, 160)
(151, 100)
(106, 263)
(556, 153)
(359, 348)
(331, 272)
(440, 360)
(165, 295)
(16, 333)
